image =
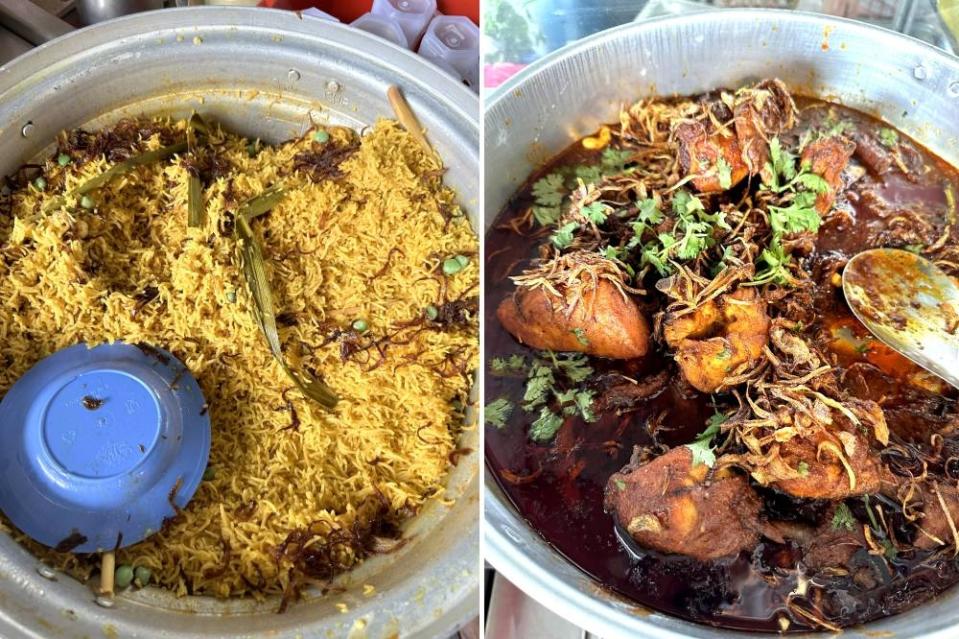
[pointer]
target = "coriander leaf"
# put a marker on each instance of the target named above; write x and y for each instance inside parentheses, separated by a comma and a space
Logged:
(575, 366)
(550, 190)
(563, 236)
(724, 173)
(702, 453)
(713, 424)
(843, 518)
(702, 446)
(503, 366)
(612, 253)
(584, 403)
(544, 428)
(834, 128)
(800, 215)
(595, 212)
(803, 469)
(580, 336)
(649, 212)
(813, 182)
(653, 257)
(615, 159)
(547, 215)
(776, 260)
(588, 173)
(888, 137)
(538, 386)
(497, 412)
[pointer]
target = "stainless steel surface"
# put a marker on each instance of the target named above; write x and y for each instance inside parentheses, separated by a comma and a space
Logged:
(234, 65)
(30, 22)
(94, 11)
(913, 86)
(56, 7)
(910, 304)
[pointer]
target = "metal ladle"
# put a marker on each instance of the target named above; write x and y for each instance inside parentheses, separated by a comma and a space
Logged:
(910, 304)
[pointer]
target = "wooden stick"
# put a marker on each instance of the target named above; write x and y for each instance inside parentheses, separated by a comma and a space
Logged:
(107, 567)
(406, 116)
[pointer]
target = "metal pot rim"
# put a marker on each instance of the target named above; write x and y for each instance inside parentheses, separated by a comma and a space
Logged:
(566, 590)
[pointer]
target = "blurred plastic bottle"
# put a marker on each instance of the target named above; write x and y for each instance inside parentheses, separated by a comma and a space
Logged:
(383, 27)
(454, 41)
(412, 16)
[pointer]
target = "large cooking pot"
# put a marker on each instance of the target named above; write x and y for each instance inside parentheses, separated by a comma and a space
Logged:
(263, 74)
(911, 85)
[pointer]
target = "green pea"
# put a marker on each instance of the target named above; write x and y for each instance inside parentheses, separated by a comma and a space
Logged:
(63, 159)
(360, 325)
(463, 260)
(142, 575)
(87, 202)
(431, 312)
(123, 576)
(209, 473)
(251, 149)
(452, 266)
(321, 136)
(40, 183)
(231, 297)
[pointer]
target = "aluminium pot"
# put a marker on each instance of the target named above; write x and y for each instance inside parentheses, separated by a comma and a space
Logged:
(266, 74)
(568, 94)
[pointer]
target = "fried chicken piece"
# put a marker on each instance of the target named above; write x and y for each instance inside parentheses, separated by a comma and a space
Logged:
(828, 158)
(872, 154)
(699, 151)
(721, 338)
(758, 114)
(603, 321)
(824, 546)
(671, 506)
(935, 527)
(761, 113)
(823, 457)
(627, 394)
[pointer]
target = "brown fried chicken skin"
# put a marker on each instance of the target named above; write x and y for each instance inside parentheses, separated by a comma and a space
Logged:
(673, 506)
(602, 321)
(719, 338)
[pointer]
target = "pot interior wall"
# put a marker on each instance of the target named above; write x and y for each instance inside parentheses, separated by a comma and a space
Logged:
(267, 75)
(567, 95)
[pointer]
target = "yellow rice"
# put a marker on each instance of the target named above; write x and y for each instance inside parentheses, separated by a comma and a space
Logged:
(395, 426)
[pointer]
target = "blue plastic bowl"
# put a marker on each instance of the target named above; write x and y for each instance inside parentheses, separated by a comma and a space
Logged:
(99, 446)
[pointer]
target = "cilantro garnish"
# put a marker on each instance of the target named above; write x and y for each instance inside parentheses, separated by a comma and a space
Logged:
(544, 428)
(563, 237)
(551, 191)
(843, 518)
(888, 137)
(803, 469)
(497, 412)
(724, 172)
(691, 235)
(504, 366)
(580, 336)
(595, 212)
(799, 214)
(702, 446)
(553, 388)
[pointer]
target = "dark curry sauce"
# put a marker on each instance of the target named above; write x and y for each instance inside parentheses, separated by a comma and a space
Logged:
(559, 486)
